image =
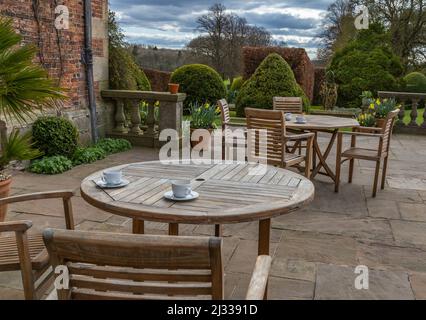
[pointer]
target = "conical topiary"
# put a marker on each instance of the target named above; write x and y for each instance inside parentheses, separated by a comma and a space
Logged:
(273, 78)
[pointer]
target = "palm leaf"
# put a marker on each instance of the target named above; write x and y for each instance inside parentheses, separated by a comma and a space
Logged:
(24, 87)
(18, 147)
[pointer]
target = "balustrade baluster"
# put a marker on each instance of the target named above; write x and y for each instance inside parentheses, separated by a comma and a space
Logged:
(120, 118)
(135, 117)
(150, 118)
(413, 114)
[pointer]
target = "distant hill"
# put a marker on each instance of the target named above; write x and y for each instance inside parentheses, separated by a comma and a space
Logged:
(163, 59)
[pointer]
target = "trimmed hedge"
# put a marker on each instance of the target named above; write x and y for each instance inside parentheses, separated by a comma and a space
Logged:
(55, 136)
(272, 78)
(159, 79)
(200, 83)
(415, 82)
(297, 58)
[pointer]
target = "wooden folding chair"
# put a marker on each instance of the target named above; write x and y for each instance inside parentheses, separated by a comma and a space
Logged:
(25, 252)
(140, 267)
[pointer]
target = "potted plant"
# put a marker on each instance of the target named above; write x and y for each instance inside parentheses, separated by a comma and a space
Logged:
(203, 116)
(173, 88)
(367, 99)
(15, 147)
(366, 120)
(381, 109)
(24, 89)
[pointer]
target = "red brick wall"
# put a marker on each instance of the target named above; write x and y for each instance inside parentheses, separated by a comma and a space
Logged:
(297, 58)
(159, 79)
(60, 53)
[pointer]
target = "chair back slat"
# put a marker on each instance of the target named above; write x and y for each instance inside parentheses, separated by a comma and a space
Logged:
(140, 265)
(388, 128)
(274, 123)
(288, 104)
(224, 108)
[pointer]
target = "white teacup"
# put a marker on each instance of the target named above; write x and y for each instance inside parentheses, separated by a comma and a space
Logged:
(181, 188)
(112, 176)
(300, 119)
(288, 116)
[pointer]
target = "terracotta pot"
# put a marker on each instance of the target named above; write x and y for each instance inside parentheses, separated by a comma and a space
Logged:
(194, 143)
(380, 123)
(4, 192)
(173, 88)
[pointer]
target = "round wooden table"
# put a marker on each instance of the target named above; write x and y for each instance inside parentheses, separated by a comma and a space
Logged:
(328, 124)
(229, 193)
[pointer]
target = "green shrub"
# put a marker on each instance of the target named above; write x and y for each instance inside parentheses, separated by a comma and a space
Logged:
(273, 77)
(365, 64)
(200, 82)
(124, 73)
(88, 155)
(55, 136)
(237, 83)
(114, 145)
(415, 82)
(51, 165)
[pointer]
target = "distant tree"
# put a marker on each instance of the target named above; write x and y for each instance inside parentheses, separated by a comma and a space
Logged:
(222, 37)
(338, 28)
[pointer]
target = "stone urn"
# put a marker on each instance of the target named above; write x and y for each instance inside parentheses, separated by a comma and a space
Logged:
(4, 192)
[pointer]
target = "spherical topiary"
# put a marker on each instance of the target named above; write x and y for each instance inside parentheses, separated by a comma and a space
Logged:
(415, 82)
(55, 136)
(200, 82)
(237, 83)
(273, 78)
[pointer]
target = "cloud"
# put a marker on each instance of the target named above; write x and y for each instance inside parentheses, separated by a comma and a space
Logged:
(172, 24)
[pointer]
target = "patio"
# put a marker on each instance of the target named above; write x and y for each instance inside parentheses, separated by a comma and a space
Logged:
(315, 250)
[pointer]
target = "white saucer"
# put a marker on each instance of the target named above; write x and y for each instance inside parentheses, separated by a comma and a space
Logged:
(301, 122)
(102, 184)
(169, 195)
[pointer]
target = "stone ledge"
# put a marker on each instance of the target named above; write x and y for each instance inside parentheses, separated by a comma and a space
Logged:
(143, 95)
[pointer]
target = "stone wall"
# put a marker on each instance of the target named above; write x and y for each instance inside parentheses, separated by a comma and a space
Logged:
(60, 51)
(297, 58)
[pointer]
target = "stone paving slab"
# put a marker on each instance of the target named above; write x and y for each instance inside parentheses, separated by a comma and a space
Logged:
(314, 250)
(338, 283)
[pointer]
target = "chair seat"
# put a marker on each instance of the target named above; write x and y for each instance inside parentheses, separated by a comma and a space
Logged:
(9, 256)
(361, 153)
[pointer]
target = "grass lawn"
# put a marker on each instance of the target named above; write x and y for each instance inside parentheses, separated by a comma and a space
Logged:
(419, 120)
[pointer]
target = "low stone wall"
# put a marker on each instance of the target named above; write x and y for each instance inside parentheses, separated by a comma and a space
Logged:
(297, 58)
(159, 79)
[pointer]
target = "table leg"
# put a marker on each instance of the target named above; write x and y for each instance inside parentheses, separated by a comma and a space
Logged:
(322, 157)
(138, 226)
(218, 230)
(173, 229)
(264, 236)
(264, 239)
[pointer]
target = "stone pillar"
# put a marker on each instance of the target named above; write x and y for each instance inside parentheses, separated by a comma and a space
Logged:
(171, 113)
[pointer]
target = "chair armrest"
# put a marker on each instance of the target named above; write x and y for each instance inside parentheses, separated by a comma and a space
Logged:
(259, 279)
(37, 196)
(361, 134)
(302, 136)
(65, 195)
(368, 129)
(15, 226)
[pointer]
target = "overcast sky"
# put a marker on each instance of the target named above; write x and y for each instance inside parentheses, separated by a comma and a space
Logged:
(172, 24)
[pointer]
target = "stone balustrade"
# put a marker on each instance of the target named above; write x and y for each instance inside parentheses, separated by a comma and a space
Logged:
(408, 99)
(170, 115)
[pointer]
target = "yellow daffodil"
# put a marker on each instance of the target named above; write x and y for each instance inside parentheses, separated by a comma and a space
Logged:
(372, 106)
(378, 102)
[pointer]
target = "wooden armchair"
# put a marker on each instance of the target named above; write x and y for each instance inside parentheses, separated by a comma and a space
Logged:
(381, 152)
(143, 267)
(276, 149)
(288, 104)
(25, 252)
